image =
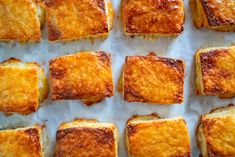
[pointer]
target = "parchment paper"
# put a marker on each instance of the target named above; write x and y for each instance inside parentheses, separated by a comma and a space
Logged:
(115, 109)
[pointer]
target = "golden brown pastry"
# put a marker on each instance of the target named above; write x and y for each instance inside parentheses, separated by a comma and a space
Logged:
(152, 79)
(22, 142)
(87, 138)
(22, 86)
(85, 75)
(218, 15)
(152, 17)
(20, 20)
(216, 133)
(75, 19)
(215, 71)
(150, 136)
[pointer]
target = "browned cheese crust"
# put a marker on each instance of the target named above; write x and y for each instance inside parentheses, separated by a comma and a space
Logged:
(218, 72)
(19, 91)
(74, 19)
(85, 142)
(23, 142)
(157, 17)
(218, 132)
(220, 136)
(220, 12)
(85, 75)
(218, 15)
(152, 79)
(168, 138)
(19, 20)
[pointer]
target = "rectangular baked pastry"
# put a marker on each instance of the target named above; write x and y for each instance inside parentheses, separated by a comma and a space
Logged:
(86, 137)
(22, 86)
(22, 142)
(20, 20)
(75, 19)
(152, 79)
(149, 136)
(86, 76)
(215, 71)
(216, 133)
(214, 14)
(152, 17)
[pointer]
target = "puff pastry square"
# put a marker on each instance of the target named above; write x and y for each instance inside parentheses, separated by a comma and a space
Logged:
(86, 138)
(19, 20)
(216, 133)
(22, 86)
(86, 76)
(75, 19)
(152, 17)
(150, 136)
(26, 142)
(152, 79)
(214, 14)
(215, 71)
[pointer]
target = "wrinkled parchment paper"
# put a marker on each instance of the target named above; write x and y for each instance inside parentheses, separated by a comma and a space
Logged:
(114, 109)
